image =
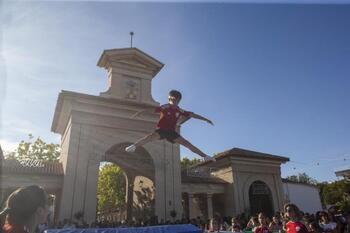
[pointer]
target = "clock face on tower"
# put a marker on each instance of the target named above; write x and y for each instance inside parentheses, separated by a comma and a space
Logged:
(130, 74)
(131, 90)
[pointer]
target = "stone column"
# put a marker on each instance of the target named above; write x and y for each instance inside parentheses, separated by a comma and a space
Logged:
(190, 205)
(57, 205)
(129, 196)
(2, 195)
(210, 205)
(167, 179)
(238, 194)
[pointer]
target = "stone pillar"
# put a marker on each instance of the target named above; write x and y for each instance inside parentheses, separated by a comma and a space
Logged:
(2, 196)
(167, 179)
(190, 205)
(210, 205)
(279, 191)
(57, 205)
(81, 175)
(238, 194)
(129, 196)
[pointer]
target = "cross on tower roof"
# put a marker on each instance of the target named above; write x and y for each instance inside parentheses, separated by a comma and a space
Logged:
(131, 35)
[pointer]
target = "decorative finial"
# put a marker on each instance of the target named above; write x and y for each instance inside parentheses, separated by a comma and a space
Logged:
(131, 34)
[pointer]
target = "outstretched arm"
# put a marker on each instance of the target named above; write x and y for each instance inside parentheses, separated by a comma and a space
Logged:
(199, 117)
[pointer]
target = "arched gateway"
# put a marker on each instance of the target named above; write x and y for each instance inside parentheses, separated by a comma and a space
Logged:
(97, 128)
(260, 198)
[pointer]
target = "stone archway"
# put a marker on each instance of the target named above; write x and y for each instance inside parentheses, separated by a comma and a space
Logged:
(135, 165)
(94, 128)
(139, 162)
(260, 198)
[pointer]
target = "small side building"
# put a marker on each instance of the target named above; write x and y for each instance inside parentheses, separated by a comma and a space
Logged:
(344, 173)
(240, 181)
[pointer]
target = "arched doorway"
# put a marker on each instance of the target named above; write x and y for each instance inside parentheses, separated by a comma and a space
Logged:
(139, 173)
(260, 198)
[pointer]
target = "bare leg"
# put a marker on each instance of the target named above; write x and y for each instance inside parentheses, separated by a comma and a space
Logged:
(148, 138)
(188, 145)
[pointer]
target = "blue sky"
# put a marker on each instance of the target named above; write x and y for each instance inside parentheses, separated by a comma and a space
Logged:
(272, 77)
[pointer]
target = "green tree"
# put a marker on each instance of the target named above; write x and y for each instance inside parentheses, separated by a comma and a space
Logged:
(186, 162)
(110, 187)
(35, 149)
(335, 193)
(302, 178)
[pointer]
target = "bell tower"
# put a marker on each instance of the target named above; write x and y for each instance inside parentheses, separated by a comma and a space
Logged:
(130, 72)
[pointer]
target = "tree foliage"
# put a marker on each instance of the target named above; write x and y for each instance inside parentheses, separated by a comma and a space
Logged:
(110, 188)
(302, 178)
(186, 162)
(37, 150)
(335, 193)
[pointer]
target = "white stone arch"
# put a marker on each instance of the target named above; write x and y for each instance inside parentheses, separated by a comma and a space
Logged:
(88, 148)
(139, 163)
(102, 143)
(90, 125)
(268, 181)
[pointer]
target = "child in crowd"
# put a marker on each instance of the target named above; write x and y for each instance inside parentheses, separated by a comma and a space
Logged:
(236, 229)
(170, 115)
(25, 209)
(275, 225)
(294, 224)
(235, 222)
(214, 225)
(326, 224)
(263, 226)
(314, 227)
(347, 227)
(252, 224)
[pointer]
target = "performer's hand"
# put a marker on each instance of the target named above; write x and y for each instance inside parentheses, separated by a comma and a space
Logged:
(210, 122)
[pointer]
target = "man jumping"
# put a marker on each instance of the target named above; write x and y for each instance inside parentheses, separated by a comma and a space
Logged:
(169, 116)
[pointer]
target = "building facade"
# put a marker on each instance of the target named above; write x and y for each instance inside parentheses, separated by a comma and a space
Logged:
(97, 129)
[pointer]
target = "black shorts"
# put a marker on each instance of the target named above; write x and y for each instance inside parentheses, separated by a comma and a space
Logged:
(168, 134)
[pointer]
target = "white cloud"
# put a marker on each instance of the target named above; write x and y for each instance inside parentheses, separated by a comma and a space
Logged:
(16, 128)
(8, 146)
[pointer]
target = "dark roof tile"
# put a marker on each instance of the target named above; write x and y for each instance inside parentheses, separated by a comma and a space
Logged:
(32, 167)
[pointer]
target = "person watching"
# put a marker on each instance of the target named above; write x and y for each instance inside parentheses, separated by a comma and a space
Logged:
(294, 216)
(25, 208)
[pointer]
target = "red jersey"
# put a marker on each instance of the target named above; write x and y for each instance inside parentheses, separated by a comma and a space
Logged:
(262, 229)
(8, 228)
(296, 227)
(169, 115)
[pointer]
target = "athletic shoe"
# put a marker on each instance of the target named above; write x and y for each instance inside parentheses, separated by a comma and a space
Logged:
(130, 148)
(209, 158)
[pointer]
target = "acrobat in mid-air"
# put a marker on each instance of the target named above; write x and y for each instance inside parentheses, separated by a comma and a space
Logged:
(170, 115)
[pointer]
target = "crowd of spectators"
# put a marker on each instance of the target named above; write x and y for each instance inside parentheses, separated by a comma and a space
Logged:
(26, 211)
(291, 220)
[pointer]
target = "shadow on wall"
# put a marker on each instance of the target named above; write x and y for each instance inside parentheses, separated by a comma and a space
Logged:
(144, 205)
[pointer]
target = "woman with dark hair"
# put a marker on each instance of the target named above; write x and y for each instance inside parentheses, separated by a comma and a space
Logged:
(25, 208)
(294, 224)
(263, 225)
